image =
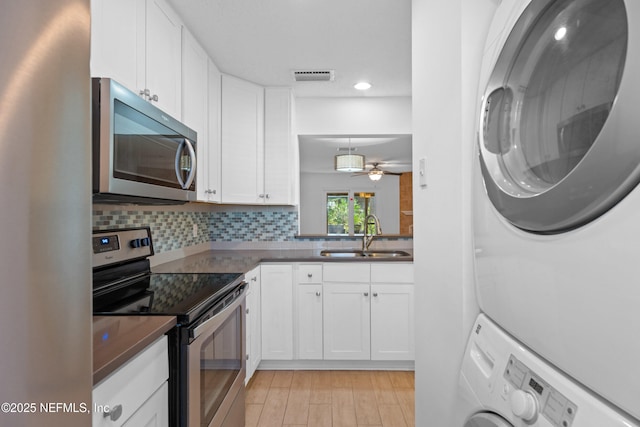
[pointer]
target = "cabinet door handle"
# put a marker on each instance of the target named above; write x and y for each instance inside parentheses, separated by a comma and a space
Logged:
(247, 311)
(375, 294)
(113, 413)
(366, 294)
(317, 294)
(154, 98)
(309, 275)
(254, 279)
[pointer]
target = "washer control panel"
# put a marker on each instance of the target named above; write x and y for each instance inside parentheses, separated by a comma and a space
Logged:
(533, 396)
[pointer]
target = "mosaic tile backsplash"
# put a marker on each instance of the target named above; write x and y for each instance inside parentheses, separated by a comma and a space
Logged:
(173, 230)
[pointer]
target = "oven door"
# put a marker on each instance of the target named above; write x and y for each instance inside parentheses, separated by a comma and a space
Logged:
(216, 367)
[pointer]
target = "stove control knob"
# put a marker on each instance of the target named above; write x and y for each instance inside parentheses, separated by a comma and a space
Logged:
(145, 241)
(524, 405)
(135, 243)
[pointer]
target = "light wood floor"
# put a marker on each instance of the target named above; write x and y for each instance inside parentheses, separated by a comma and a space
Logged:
(330, 399)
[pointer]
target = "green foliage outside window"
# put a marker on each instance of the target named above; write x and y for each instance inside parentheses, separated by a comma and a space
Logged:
(338, 212)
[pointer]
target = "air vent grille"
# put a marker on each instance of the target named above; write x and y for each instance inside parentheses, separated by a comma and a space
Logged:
(314, 75)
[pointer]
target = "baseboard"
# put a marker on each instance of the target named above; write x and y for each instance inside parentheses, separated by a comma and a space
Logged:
(338, 365)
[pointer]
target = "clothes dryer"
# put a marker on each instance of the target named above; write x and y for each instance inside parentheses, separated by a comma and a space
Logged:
(503, 384)
(556, 203)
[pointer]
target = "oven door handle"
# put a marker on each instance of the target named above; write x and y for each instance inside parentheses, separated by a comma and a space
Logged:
(210, 325)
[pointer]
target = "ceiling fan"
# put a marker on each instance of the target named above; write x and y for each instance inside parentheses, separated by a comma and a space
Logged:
(375, 173)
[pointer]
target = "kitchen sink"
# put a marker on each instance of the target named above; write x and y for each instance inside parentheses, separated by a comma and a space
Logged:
(356, 253)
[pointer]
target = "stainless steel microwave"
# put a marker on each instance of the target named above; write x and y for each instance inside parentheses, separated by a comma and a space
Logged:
(140, 154)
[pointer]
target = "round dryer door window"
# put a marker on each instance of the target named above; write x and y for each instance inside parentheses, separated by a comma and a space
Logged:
(487, 419)
(559, 134)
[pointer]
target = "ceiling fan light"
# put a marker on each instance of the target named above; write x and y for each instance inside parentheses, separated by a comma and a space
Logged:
(349, 162)
(375, 175)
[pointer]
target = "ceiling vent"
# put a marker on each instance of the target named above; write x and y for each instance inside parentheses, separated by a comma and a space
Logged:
(314, 75)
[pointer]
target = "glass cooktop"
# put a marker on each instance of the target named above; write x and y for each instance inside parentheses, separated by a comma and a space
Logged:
(185, 295)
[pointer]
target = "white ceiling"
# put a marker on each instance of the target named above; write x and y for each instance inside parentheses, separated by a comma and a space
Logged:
(392, 152)
(264, 40)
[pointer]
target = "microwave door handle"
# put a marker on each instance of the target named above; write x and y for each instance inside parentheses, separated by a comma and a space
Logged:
(192, 172)
(177, 164)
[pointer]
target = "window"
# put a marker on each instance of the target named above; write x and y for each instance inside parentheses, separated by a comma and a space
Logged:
(346, 211)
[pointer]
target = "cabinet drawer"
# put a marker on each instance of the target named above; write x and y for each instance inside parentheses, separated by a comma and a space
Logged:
(132, 384)
(387, 272)
(310, 273)
(349, 272)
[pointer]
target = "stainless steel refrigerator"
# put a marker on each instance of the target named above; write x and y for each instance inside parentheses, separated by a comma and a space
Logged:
(45, 214)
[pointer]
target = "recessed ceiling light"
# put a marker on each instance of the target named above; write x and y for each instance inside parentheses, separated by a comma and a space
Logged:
(362, 86)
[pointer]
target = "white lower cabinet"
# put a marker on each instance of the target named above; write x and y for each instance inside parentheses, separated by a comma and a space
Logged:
(154, 412)
(252, 322)
(308, 312)
(136, 394)
(309, 305)
(337, 311)
(346, 321)
(368, 311)
(277, 311)
(392, 327)
(354, 311)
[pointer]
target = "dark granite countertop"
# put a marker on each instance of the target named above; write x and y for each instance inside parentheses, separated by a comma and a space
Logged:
(117, 339)
(242, 261)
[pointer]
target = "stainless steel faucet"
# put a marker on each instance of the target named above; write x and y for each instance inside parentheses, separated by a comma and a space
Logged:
(366, 238)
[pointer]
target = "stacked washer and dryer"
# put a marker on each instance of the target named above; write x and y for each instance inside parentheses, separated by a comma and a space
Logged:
(557, 219)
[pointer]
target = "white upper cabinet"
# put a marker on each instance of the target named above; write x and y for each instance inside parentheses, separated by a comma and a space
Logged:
(195, 110)
(259, 156)
(138, 43)
(247, 147)
(280, 147)
(242, 141)
(163, 69)
(117, 40)
(212, 160)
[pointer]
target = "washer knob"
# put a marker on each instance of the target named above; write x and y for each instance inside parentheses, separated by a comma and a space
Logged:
(524, 405)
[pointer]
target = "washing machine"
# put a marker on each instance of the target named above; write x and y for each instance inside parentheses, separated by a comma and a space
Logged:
(504, 384)
(556, 198)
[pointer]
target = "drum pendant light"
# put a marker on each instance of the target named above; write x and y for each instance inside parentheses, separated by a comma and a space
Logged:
(349, 162)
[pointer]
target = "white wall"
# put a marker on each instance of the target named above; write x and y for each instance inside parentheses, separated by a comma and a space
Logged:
(447, 39)
(313, 199)
(362, 115)
(345, 116)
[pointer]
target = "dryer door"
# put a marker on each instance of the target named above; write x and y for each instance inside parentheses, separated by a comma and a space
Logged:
(487, 419)
(559, 126)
